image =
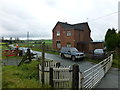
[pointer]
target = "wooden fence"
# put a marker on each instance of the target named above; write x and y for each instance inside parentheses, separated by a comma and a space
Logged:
(47, 65)
(71, 77)
(61, 77)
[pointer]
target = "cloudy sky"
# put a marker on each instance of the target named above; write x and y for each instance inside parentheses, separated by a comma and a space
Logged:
(38, 17)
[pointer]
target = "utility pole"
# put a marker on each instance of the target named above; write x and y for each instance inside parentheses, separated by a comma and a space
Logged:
(43, 61)
(28, 38)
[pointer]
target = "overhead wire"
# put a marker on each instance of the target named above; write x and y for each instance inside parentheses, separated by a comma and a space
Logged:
(101, 18)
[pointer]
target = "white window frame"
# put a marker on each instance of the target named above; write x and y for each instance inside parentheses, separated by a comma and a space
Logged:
(69, 33)
(68, 45)
(58, 33)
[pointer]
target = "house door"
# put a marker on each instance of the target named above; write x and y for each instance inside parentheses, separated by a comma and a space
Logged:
(58, 44)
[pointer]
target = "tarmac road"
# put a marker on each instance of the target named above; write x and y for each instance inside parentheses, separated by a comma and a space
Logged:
(83, 65)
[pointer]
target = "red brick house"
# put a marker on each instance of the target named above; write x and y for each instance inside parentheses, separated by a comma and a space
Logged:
(74, 35)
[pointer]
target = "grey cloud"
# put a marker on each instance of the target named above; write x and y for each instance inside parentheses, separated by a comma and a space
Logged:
(51, 3)
(17, 20)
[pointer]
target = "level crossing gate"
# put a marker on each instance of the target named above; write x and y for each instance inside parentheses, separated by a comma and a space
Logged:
(70, 77)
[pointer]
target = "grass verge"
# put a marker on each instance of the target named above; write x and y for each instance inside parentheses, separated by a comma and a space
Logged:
(116, 63)
(24, 76)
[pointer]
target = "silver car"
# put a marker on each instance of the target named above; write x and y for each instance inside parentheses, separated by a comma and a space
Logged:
(71, 52)
(24, 50)
(99, 53)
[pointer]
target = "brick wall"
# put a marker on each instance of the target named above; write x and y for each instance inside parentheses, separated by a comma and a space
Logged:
(76, 37)
(98, 45)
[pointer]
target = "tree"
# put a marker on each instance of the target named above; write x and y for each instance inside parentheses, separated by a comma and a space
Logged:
(118, 39)
(111, 39)
(109, 33)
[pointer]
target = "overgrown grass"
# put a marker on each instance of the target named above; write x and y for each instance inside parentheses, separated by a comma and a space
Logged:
(24, 76)
(2, 43)
(49, 42)
(4, 47)
(116, 63)
(11, 57)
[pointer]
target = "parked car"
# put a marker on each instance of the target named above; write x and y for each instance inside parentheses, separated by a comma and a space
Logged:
(24, 50)
(99, 53)
(71, 52)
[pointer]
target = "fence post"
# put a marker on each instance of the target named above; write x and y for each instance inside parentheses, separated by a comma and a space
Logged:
(58, 64)
(111, 60)
(51, 77)
(43, 61)
(81, 80)
(29, 54)
(75, 77)
(38, 72)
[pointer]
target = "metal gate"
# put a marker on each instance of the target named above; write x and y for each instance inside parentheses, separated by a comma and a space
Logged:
(93, 75)
(67, 77)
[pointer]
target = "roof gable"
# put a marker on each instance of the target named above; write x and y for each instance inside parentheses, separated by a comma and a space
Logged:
(79, 26)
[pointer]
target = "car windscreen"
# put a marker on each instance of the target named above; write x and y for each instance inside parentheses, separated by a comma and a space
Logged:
(100, 51)
(73, 50)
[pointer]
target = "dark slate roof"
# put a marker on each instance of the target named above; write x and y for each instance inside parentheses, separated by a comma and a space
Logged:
(88, 42)
(79, 26)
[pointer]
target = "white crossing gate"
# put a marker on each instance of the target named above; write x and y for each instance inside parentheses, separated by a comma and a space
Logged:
(93, 75)
(67, 77)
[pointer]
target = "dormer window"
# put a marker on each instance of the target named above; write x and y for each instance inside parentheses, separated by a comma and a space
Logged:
(69, 33)
(58, 33)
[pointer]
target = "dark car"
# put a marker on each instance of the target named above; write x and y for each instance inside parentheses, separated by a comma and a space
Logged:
(71, 52)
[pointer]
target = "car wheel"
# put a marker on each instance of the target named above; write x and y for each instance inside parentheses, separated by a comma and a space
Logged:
(62, 56)
(73, 58)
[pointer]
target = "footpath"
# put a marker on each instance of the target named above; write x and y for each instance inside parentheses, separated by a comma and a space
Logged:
(111, 80)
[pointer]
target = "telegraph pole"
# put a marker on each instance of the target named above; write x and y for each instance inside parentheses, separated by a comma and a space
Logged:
(28, 38)
(43, 61)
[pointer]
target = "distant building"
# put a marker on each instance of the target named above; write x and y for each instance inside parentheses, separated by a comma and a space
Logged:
(74, 35)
